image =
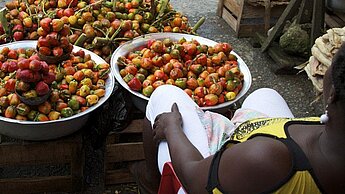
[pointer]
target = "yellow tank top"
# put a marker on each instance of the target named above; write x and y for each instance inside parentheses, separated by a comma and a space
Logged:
(301, 178)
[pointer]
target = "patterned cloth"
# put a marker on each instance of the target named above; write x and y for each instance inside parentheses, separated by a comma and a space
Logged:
(219, 128)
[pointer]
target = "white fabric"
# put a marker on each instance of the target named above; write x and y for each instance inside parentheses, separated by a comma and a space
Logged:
(264, 100)
(181, 191)
(269, 102)
(161, 101)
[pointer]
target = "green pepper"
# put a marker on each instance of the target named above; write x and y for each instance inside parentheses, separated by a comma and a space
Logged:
(73, 104)
(143, 71)
(67, 112)
(140, 77)
(181, 83)
(32, 114)
(128, 77)
(147, 91)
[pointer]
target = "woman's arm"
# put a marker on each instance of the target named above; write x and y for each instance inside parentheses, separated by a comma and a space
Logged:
(189, 165)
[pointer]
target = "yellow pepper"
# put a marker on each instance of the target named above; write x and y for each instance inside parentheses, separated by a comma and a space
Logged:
(84, 90)
(91, 99)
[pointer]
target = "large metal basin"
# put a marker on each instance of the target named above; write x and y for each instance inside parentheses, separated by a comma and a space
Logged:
(140, 101)
(30, 130)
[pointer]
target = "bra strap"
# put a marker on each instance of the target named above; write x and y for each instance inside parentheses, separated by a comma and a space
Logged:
(213, 181)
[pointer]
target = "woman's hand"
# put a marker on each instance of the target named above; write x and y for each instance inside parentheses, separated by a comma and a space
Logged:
(165, 122)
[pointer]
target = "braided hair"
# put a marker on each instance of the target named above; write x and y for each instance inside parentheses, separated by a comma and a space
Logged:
(338, 73)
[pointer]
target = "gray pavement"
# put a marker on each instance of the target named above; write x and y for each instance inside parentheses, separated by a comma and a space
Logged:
(297, 90)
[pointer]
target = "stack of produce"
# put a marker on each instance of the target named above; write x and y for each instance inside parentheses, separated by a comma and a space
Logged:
(100, 26)
(53, 41)
(208, 74)
(33, 77)
(323, 51)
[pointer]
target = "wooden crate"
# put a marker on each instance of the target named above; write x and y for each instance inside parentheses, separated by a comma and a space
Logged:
(334, 19)
(246, 19)
(33, 155)
(121, 149)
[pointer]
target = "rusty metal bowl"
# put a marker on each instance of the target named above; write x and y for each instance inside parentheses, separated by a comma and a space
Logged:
(32, 130)
(54, 59)
(140, 101)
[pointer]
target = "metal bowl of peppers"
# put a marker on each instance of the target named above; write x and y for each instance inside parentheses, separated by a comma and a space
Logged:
(64, 125)
(124, 54)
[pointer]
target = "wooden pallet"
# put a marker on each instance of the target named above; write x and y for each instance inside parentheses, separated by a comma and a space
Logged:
(246, 19)
(334, 19)
(32, 155)
(121, 149)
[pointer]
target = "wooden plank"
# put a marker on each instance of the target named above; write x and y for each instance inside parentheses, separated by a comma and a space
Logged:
(42, 153)
(318, 21)
(37, 185)
(239, 18)
(27, 153)
(250, 11)
(234, 6)
(340, 15)
(267, 17)
(120, 176)
(136, 126)
(333, 21)
(124, 152)
(305, 12)
(288, 13)
(230, 19)
(77, 166)
(220, 8)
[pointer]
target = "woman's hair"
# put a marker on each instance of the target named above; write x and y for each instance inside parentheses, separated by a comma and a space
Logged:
(338, 73)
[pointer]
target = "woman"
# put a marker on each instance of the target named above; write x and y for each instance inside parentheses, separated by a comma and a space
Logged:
(274, 153)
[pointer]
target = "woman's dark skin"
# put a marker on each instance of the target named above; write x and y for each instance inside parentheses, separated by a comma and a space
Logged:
(260, 163)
